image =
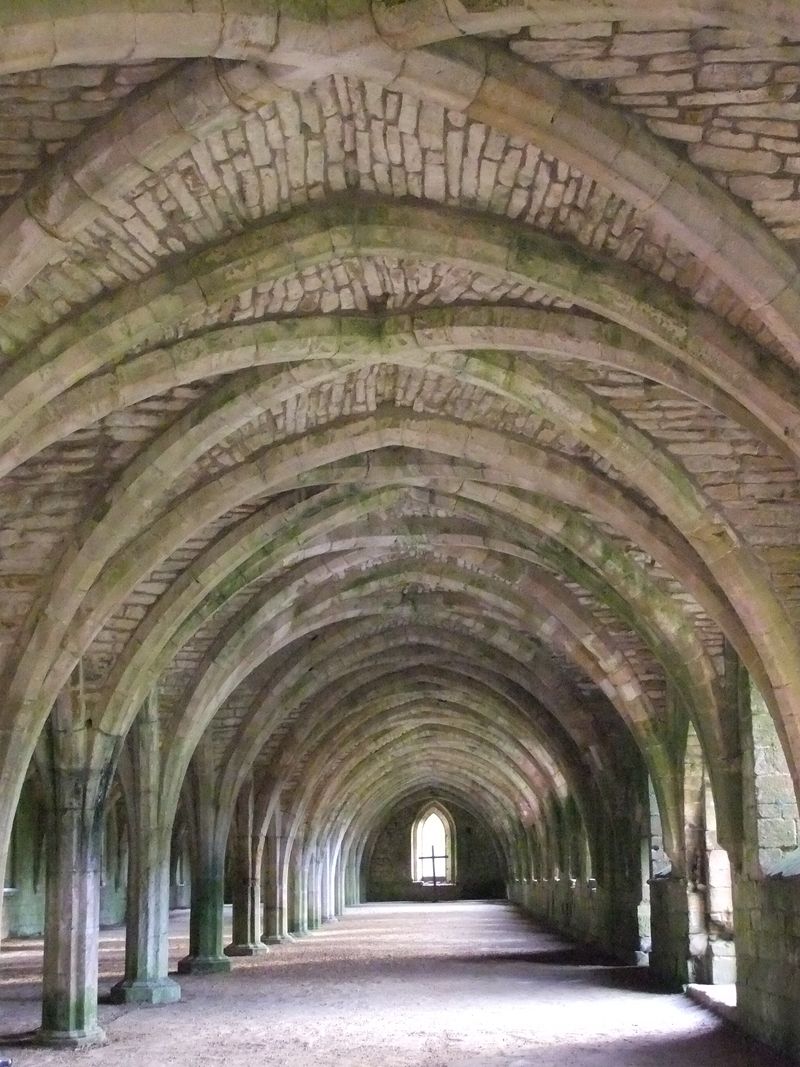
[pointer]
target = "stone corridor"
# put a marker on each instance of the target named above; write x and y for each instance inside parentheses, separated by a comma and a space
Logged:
(463, 984)
(399, 498)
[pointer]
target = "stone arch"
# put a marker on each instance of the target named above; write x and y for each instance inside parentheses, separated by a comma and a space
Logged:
(507, 506)
(443, 866)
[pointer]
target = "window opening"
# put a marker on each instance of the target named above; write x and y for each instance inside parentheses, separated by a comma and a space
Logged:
(432, 847)
(433, 843)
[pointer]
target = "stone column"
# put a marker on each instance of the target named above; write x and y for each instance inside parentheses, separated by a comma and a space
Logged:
(6, 825)
(246, 880)
(339, 888)
(276, 926)
(206, 920)
(312, 880)
(298, 899)
(328, 888)
(78, 787)
(669, 924)
(146, 978)
(353, 885)
(208, 876)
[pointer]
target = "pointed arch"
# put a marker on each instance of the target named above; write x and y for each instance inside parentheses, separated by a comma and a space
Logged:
(433, 845)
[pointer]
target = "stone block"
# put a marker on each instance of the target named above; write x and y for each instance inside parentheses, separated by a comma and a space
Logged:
(113, 38)
(770, 128)
(71, 77)
(775, 144)
(81, 111)
(25, 45)
(646, 44)
(656, 83)
(549, 51)
(717, 98)
(730, 139)
(759, 188)
(596, 69)
(723, 970)
(719, 868)
(779, 833)
(572, 31)
(200, 31)
(730, 76)
(774, 788)
(163, 991)
(788, 111)
(672, 62)
(759, 53)
(754, 161)
(24, 248)
(677, 131)
(449, 77)
(248, 35)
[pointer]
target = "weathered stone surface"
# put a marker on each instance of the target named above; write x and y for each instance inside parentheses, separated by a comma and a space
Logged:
(379, 420)
(732, 159)
(692, 85)
(52, 106)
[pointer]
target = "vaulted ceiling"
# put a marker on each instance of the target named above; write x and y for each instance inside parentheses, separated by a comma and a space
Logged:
(407, 391)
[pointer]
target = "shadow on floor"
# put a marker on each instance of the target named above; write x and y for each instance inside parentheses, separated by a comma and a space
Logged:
(25, 1039)
(716, 1047)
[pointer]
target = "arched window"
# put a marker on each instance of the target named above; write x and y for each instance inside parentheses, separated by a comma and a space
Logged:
(432, 846)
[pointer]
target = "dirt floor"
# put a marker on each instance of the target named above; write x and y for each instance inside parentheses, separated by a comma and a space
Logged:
(428, 985)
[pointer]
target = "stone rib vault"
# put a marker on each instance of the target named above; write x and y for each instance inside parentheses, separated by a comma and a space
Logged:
(399, 402)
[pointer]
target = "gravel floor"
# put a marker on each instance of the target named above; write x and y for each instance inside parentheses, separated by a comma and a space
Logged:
(428, 985)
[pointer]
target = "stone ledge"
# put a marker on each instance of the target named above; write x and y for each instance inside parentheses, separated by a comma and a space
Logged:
(721, 999)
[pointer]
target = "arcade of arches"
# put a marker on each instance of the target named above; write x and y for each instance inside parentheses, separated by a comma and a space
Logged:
(399, 406)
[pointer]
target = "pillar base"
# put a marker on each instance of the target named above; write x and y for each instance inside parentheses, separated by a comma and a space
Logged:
(72, 1039)
(163, 991)
(277, 939)
(257, 948)
(204, 965)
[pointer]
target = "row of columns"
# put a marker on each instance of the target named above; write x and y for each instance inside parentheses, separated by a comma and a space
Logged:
(301, 895)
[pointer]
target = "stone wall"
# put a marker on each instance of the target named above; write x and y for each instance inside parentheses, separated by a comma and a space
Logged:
(767, 893)
(729, 96)
(583, 911)
(478, 872)
(770, 808)
(768, 956)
